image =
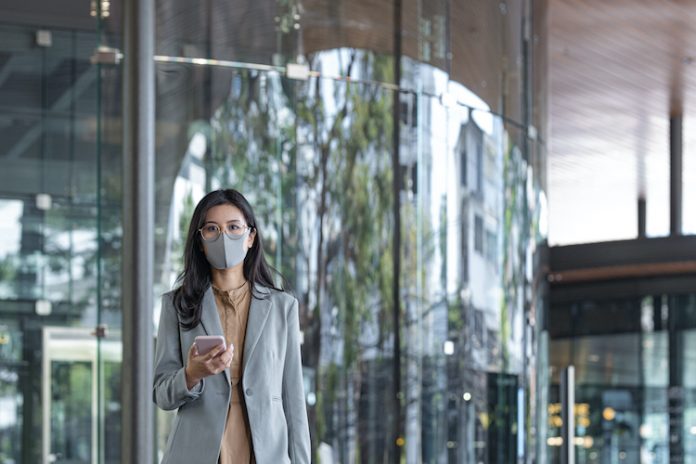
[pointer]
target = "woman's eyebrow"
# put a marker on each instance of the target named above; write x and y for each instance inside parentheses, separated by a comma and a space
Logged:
(227, 222)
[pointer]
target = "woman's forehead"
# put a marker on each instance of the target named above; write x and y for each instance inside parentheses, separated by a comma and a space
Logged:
(224, 213)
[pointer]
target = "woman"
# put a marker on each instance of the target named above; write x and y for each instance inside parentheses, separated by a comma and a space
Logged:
(244, 404)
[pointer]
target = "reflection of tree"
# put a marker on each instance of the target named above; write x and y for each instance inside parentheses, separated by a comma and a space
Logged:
(514, 171)
(71, 390)
(187, 209)
(315, 161)
(253, 151)
(8, 268)
(354, 254)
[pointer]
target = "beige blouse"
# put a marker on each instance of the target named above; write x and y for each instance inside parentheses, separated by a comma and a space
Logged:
(233, 309)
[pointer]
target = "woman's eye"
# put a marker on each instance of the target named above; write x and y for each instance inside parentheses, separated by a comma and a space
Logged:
(210, 228)
(232, 227)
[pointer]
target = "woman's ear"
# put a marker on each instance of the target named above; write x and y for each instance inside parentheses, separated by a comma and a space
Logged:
(252, 237)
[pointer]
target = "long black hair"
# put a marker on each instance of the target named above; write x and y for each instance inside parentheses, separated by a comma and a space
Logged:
(195, 279)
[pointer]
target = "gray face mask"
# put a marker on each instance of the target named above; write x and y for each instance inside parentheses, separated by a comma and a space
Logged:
(225, 252)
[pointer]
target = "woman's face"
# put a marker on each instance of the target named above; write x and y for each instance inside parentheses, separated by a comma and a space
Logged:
(229, 218)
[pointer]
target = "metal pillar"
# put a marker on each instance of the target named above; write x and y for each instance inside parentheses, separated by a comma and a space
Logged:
(675, 180)
(568, 415)
(398, 429)
(137, 441)
(642, 214)
(675, 394)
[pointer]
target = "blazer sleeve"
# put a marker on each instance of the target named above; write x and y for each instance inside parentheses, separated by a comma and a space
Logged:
(293, 393)
(169, 387)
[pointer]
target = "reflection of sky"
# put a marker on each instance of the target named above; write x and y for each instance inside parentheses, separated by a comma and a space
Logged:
(441, 186)
(481, 114)
(77, 241)
(10, 229)
(8, 411)
(455, 93)
(333, 64)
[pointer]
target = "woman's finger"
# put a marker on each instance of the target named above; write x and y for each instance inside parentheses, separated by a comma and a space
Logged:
(226, 357)
(214, 352)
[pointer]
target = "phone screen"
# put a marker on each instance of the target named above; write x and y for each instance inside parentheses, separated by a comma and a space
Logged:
(205, 343)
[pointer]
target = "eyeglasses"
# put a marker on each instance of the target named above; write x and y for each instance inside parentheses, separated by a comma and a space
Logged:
(212, 231)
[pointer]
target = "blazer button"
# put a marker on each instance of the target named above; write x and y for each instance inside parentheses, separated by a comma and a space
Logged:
(248, 392)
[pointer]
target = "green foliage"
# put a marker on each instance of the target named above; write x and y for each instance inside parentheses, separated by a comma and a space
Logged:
(8, 268)
(514, 176)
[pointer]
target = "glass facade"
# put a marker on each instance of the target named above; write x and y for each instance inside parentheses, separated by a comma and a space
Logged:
(60, 255)
(635, 383)
(398, 178)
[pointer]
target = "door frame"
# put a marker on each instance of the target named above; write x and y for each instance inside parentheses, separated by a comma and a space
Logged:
(73, 344)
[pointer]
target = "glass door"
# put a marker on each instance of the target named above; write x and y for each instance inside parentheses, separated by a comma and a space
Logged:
(70, 392)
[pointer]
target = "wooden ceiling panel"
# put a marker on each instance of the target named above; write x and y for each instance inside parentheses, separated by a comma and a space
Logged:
(616, 70)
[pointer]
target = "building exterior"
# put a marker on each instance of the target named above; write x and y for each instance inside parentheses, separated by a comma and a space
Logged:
(394, 152)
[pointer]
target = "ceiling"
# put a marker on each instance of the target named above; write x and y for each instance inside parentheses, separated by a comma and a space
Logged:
(616, 70)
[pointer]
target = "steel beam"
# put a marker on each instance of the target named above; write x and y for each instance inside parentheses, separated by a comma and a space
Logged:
(675, 178)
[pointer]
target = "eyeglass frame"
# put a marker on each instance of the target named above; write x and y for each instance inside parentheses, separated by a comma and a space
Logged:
(220, 231)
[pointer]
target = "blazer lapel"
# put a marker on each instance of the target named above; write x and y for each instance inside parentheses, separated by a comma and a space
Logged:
(210, 319)
(258, 314)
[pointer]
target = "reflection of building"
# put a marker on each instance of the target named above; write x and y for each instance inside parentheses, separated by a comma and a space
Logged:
(478, 270)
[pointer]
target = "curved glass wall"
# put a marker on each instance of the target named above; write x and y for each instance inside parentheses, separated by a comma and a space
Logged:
(405, 209)
(457, 379)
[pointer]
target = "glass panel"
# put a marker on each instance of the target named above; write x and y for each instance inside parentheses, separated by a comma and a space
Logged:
(71, 412)
(55, 237)
(107, 215)
(10, 389)
(464, 261)
(71, 395)
(315, 158)
(326, 214)
(111, 401)
(635, 387)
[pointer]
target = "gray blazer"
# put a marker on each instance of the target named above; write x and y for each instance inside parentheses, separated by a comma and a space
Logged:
(272, 383)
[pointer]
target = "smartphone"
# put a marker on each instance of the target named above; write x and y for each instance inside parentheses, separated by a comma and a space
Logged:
(205, 343)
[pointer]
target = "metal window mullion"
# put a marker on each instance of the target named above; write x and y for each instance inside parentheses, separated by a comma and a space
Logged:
(138, 231)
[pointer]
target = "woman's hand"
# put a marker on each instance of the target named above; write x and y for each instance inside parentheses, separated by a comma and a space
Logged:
(211, 363)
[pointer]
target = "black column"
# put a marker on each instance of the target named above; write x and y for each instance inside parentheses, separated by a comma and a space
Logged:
(675, 178)
(138, 231)
(675, 394)
(398, 395)
(642, 214)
